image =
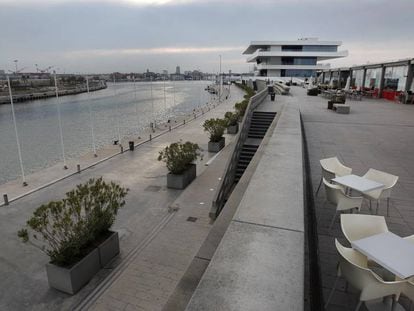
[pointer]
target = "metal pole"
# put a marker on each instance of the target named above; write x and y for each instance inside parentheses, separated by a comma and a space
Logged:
(60, 123)
(174, 91)
(165, 98)
(91, 118)
(136, 103)
(221, 81)
(117, 119)
(152, 105)
(19, 152)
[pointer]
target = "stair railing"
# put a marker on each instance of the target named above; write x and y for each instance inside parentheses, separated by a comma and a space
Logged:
(227, 180)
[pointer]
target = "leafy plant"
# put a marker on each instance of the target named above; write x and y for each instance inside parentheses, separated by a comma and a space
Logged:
(66, 230)
(241, 107)
(231, 118)
(216, 128)
(179, 156)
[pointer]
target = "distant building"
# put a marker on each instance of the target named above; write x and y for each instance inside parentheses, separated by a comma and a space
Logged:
(292, 58)
(177, 70)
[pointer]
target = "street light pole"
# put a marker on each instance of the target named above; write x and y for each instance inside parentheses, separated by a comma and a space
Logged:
(15, 131)
(91, 118)
(60, 123)
(220, 81)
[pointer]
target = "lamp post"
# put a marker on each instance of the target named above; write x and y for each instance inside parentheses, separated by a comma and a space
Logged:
(91, 118)
(60, 122)
(19, 152)
(15, 63)
(220, 81)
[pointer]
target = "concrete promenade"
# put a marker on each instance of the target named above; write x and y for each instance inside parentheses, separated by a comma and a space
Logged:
(376, 134)
(141, 224)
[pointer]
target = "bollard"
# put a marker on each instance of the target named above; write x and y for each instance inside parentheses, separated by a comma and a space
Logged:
(184, 121)
(6, 199)
(78, 168)
(122, 148)
(150, 137)
(169, 128)
(195, 116)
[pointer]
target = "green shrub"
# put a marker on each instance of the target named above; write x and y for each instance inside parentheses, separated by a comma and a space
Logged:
(68, 229)
(216, 128)
(241, 107)
(178, 156)
(231, 118)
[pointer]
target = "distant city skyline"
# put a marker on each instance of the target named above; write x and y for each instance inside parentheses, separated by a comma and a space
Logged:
(103, 36)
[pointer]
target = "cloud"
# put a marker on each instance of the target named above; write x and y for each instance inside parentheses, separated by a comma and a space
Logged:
(151, 51)
(129, 2)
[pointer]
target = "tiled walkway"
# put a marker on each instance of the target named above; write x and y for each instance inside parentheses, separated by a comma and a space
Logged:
(376, 134)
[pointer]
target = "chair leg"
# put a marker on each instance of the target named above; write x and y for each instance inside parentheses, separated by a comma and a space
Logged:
(358, 305)
(320, 183)
(332, 291)
(333, 220)
(388, 207)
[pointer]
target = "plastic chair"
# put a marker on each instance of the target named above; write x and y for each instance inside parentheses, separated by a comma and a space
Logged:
(387, 180)
(331, 168)
(335, 195)
(353, 267)
(356, 227)
(408, 289)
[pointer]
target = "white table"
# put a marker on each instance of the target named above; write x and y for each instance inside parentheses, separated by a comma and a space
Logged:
(357, 183)
(390, 251)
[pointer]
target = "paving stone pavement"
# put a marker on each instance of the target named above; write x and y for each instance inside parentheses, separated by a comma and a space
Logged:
(23, 285)
(376, 134)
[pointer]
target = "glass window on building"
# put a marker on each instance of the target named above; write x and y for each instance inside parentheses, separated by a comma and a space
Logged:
(373, 78)
(395, 78)
(320, 48)
(357, 77)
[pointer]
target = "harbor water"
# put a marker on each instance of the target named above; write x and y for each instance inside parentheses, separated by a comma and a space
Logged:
(124, 108)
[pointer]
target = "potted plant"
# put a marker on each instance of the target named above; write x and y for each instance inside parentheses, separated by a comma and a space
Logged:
(232, 119)
(241, 107)
(216, 129)
(179, 159)
(75, 233)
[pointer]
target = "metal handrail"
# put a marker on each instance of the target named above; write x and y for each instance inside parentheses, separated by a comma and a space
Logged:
(226, 183)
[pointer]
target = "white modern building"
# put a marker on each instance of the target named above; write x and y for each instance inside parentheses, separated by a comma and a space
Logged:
(298, 59)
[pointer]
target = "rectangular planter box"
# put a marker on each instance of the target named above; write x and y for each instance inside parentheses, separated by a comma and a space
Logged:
(233, 129)
(181, 181)
(71, 280)
(108, 249)
(216, 146)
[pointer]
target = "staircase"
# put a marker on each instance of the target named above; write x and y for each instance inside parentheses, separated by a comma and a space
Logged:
(260, 123)
(258, 127)
(245, 157)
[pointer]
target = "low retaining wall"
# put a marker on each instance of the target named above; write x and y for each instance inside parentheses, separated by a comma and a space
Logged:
(260, 260)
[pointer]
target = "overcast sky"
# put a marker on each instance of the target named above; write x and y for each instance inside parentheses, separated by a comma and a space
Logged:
(133, 35)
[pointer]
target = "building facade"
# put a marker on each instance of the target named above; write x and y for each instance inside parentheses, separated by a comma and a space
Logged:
(297, 59)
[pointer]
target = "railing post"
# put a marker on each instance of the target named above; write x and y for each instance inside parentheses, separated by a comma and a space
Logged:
(6, 199)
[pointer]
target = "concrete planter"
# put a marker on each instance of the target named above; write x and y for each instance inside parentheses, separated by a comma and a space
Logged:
(71, 280)
(233, 129)
(216, 146)
(108, 249)
(180, 181)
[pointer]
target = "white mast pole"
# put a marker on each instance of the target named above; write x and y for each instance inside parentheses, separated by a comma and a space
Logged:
(136, 103)
(91, 118)
(152, 104)
(19, 152)
(117, 110)
(60, 122)
(221, 82)
(165, 98)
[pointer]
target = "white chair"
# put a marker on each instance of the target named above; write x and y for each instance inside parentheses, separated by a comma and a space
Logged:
(335, 195)
(408, 289)
(331, 168)
(387, 180)
(356, 227)
(353, 267)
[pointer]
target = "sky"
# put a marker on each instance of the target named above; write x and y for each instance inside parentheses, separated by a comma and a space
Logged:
(101, 36)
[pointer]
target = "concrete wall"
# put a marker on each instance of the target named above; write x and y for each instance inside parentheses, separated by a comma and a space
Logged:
(259, 264)
(261, 85)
